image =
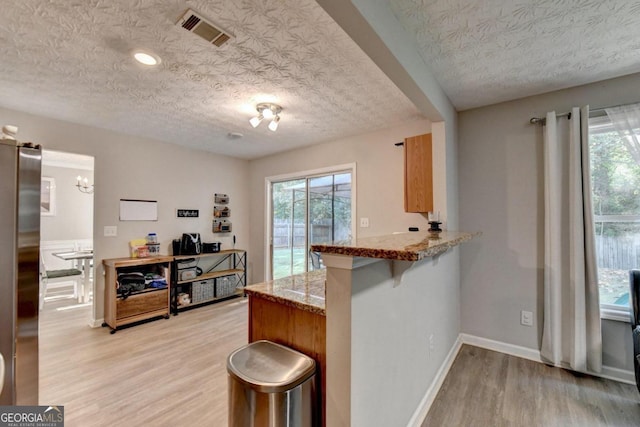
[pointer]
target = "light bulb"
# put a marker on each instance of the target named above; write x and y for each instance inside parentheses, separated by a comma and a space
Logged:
(274, 123)
(146, 59)
(267, 113)
(255, 121)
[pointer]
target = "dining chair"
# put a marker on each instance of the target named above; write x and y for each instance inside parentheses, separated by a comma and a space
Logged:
(85, 246)
(56, 281)
(315, 260)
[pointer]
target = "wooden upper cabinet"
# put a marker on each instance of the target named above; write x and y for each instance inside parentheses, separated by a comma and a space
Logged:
(418, 174)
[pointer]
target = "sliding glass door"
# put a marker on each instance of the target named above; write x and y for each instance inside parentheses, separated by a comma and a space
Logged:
(289, 233)
(304, 211)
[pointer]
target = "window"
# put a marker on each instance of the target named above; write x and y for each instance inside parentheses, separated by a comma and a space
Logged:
(306, 209)
(615, 181)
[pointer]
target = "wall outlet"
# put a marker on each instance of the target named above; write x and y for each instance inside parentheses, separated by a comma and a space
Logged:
(364, 222)
(526, 318)
(110, 231)
(432, 344)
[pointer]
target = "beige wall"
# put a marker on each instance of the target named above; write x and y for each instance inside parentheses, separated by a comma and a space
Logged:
(138, 168)
(379, 182)
(74, 210)
(398, 351)
(501, 194)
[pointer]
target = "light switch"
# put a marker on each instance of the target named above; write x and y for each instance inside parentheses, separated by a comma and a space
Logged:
(110, 231)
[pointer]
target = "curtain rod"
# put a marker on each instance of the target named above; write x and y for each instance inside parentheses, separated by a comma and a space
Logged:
(542, 120)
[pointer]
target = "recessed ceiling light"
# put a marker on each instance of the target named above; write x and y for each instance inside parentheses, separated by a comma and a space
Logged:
(146, 58)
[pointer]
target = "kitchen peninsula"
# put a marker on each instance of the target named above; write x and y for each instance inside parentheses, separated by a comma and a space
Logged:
(390, 326)
(381, 297)
(291, 311)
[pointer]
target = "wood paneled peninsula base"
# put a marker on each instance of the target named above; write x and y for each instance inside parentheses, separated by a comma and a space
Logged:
(291, 312)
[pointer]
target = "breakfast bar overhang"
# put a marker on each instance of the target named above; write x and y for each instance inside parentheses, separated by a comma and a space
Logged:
(384, 296)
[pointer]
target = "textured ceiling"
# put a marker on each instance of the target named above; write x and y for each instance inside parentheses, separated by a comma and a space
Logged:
(487, 51)
(70, 60)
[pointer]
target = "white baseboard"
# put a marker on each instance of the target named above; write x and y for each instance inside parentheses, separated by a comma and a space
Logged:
(501, 347)
(615, 374)
(608, 372)
(96, 323)
(425, 404)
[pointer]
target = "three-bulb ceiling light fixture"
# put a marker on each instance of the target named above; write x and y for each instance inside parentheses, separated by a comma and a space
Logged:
(269, 112)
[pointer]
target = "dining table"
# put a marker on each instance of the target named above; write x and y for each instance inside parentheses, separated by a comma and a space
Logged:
(84, 259)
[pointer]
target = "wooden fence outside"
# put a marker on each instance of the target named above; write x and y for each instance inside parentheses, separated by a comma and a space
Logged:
(618, 252)
(286, 234)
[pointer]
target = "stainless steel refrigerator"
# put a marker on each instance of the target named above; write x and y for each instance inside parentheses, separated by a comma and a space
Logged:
(20, 165)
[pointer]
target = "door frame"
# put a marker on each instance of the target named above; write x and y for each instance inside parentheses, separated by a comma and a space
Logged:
(268, 181)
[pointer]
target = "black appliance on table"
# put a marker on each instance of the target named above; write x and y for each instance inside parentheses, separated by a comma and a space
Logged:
(190, 244)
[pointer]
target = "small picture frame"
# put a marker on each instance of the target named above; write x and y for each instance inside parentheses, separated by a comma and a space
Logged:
(47, 196)
(187, 213)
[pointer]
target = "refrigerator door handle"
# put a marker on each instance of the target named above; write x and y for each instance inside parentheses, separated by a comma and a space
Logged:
(1, 372)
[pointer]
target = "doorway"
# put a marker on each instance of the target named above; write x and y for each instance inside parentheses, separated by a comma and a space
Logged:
(308, 208)
(66, 227)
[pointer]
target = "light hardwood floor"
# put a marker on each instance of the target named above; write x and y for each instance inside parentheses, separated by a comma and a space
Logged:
(485, 388)
(162, 373)
(173, 373)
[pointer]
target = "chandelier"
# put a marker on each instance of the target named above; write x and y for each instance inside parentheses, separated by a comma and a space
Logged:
(83, 185)
(267, 111)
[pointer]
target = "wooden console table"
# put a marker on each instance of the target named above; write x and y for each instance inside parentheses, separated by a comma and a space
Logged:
(142, 305)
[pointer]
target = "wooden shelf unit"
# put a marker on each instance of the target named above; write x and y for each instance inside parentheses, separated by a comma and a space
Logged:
(142, 305)
(235, 261)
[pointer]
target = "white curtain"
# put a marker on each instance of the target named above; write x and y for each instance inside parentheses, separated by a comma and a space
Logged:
(571, 334)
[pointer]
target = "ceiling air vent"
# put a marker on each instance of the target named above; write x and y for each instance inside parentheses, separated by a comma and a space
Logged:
(195, 23)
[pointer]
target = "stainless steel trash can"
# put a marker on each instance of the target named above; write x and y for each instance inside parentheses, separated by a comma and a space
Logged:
(270, 385)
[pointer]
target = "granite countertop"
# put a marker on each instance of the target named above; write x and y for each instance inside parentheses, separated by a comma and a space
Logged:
(305, 291)
(409, 246)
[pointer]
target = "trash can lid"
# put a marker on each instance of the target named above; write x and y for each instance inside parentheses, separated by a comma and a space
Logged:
(269, 367)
